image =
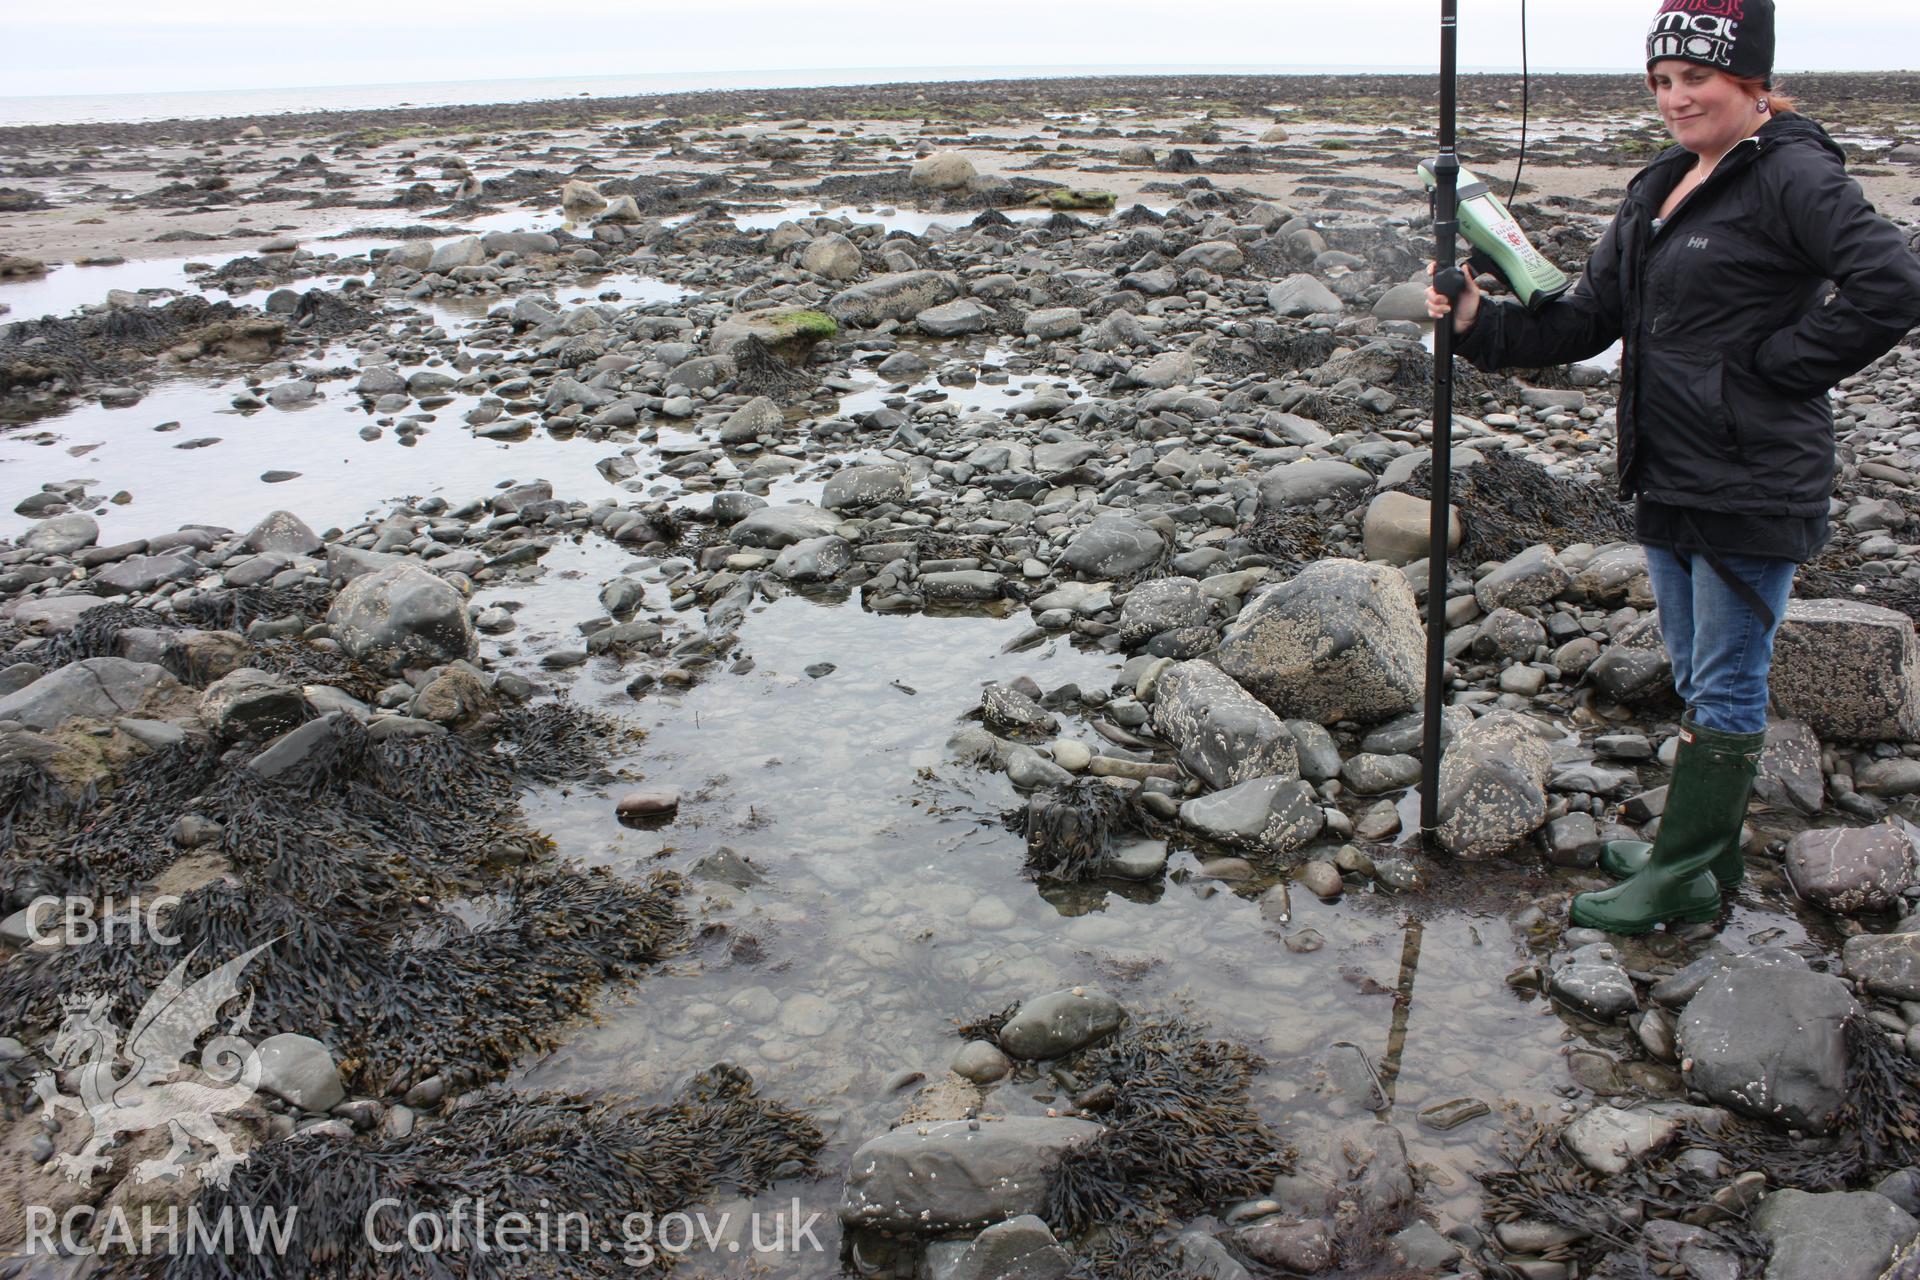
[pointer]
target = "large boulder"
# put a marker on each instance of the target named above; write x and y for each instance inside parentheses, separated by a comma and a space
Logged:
(952, 319)
(402, 616)
(1056, 1024)
(137, 575)
(1113, 546)
(756, 418)
(1018, 1249)
(1635, 667)
(249, 703)
(832, 257)
(788, 523)
(1340, 640)
(1834, 1235)
(1266, 815)
(1398, 528)
(1850, 870)
(1302, 295)
(791, 333)
(63, 535)
(1223, 734)
(1493, 785)
(900, 295)
(1849, 669)
(941, 173)
(1887, 963)
(285, 533)
(467, 251)
(960, 1174)
(99, 688)
(1161, 605)
(813, 559)
(854, 487)
(1303, 483)
(1767, 1040)
(1535, 576)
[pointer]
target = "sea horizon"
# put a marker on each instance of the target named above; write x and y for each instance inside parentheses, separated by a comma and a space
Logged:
(206, 104)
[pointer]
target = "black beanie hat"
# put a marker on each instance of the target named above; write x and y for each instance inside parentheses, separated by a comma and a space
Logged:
(1735, 36)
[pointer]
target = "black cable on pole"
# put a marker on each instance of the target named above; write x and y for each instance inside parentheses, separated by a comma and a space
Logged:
(1449, 280)
(1526, 96)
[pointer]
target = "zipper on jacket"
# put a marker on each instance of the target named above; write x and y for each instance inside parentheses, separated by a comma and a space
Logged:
(1693, 196)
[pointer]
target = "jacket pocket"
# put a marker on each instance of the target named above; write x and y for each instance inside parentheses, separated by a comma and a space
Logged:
(1788, 443)
(1686, 424)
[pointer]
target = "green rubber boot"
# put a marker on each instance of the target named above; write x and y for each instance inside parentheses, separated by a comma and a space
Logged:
(1706, 803)
(1624, 858)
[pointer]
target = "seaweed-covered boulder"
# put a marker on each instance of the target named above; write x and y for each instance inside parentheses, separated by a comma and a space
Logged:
(1849, 669)
(1769, 1040)
(1835, 1235)
(899, 295)
(1493, 785)
(1340, 640)
(1223, 734)
(1849, 870)
(100, 688)
(958, 1174)
(402, 616)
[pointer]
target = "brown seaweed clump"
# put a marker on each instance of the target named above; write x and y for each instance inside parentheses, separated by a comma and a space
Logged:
(1509, 504)
(579, 1168)
(1878, 1131)
(1070, 829)
(1182, 1138)
(346, 863)
(111, 344)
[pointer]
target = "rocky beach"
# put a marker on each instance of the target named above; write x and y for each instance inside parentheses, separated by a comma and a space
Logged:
(851, 659)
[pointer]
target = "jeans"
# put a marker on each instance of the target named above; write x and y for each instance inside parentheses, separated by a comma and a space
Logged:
(1720, 649)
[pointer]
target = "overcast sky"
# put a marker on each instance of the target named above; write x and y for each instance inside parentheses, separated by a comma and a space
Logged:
(129, 46)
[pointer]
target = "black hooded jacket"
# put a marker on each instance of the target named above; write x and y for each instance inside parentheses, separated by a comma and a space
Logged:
(1770, 283)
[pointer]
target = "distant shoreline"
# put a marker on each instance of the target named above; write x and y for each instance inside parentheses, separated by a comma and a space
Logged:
(966, 101)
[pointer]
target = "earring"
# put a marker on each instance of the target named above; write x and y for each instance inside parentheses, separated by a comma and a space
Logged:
(1760, 105)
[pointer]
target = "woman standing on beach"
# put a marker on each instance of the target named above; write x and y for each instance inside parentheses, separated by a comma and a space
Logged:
(1747, 274)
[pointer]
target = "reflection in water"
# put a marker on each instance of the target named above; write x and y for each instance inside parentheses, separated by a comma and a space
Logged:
(895, 902)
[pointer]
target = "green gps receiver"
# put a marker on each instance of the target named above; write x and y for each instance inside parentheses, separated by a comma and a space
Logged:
(1500, 244)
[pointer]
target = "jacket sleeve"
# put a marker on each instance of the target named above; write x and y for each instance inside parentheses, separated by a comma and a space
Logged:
(1832, 225)
(1579, 324)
